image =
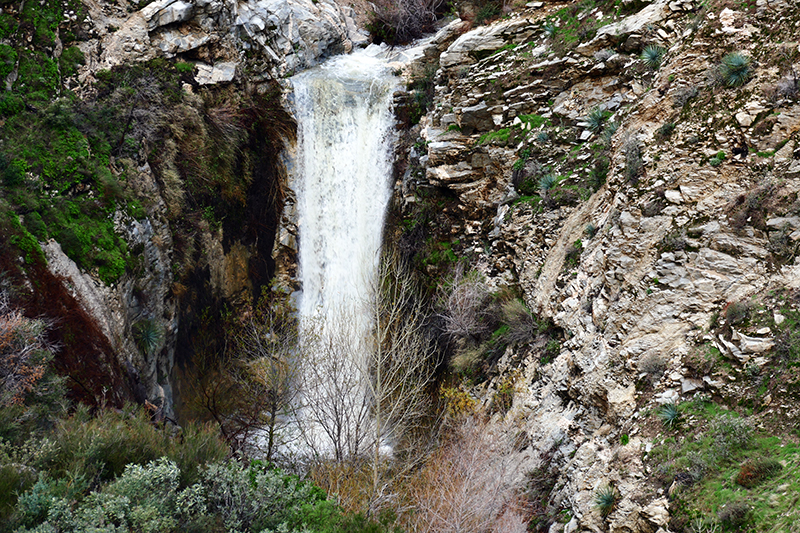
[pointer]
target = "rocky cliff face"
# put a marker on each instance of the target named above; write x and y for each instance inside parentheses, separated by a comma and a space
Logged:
(601, 158)
(194, 163)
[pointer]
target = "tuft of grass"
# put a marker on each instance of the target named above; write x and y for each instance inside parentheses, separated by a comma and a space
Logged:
(653, 55)
(550, 29)
(736, 69)
(605, 499)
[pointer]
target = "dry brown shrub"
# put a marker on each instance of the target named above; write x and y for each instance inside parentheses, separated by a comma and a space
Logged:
(464, 486)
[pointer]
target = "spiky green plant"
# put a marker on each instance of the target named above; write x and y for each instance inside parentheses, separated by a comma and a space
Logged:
(736, 69)
(596, 118)
(147, 334)
(609, 131)
(590, 230)
(652, 55)
(542, 137)
(605, 499)
(548, 181)
(550, 29)
(669, 414)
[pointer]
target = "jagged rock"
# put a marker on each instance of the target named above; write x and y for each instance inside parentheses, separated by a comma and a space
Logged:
(219, 73)
(176, 41)
(475, 118)
(485, 39)
(618, 32)
(753, 344)
(163, 12)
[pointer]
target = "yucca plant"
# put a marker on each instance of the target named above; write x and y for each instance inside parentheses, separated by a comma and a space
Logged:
(597, 117)
(652, 55)
(550, 29)
(148, 336)
(548, 181)
(669, 414)
(736, 69)
(609, 131)
(605, 499)
(542, 137)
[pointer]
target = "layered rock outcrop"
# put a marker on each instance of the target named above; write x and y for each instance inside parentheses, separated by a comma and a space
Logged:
(644, 239)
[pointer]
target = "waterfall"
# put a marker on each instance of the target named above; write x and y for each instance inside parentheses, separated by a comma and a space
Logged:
(342, 180)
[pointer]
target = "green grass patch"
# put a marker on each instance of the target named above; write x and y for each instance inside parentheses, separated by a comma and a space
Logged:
(497, 137)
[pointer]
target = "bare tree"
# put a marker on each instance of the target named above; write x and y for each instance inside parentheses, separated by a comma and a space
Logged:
(366, 386)
(402, 361)
(266, 373)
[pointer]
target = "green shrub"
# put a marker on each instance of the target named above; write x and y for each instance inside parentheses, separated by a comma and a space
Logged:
(495, 137)
(730, 434)
(634, 164)
(652, 55)
(522, 324)
(70, 59)
(717, 159)
(737, 312)
(665, 131)
(184, 68)
(609, 131)
(736, 69)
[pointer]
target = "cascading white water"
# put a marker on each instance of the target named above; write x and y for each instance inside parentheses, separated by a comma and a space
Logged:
(342, 179)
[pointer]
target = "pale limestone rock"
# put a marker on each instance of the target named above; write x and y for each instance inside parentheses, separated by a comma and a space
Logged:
(219, 73)
(163, 12)
(617, 32)
(485, 39)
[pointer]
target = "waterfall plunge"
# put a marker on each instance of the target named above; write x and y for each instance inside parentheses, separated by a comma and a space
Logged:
(342, 179)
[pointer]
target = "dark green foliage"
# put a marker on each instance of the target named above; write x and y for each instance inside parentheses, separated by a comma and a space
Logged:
(736, 69)
(605, 499)
(573, 255)
(489, 10)
(734, 515)
(665, 131)
(717, 159)
(652, 55)
(8, 59)
(634, 165)
(70, 59)
(599, 173)
(184, 68)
